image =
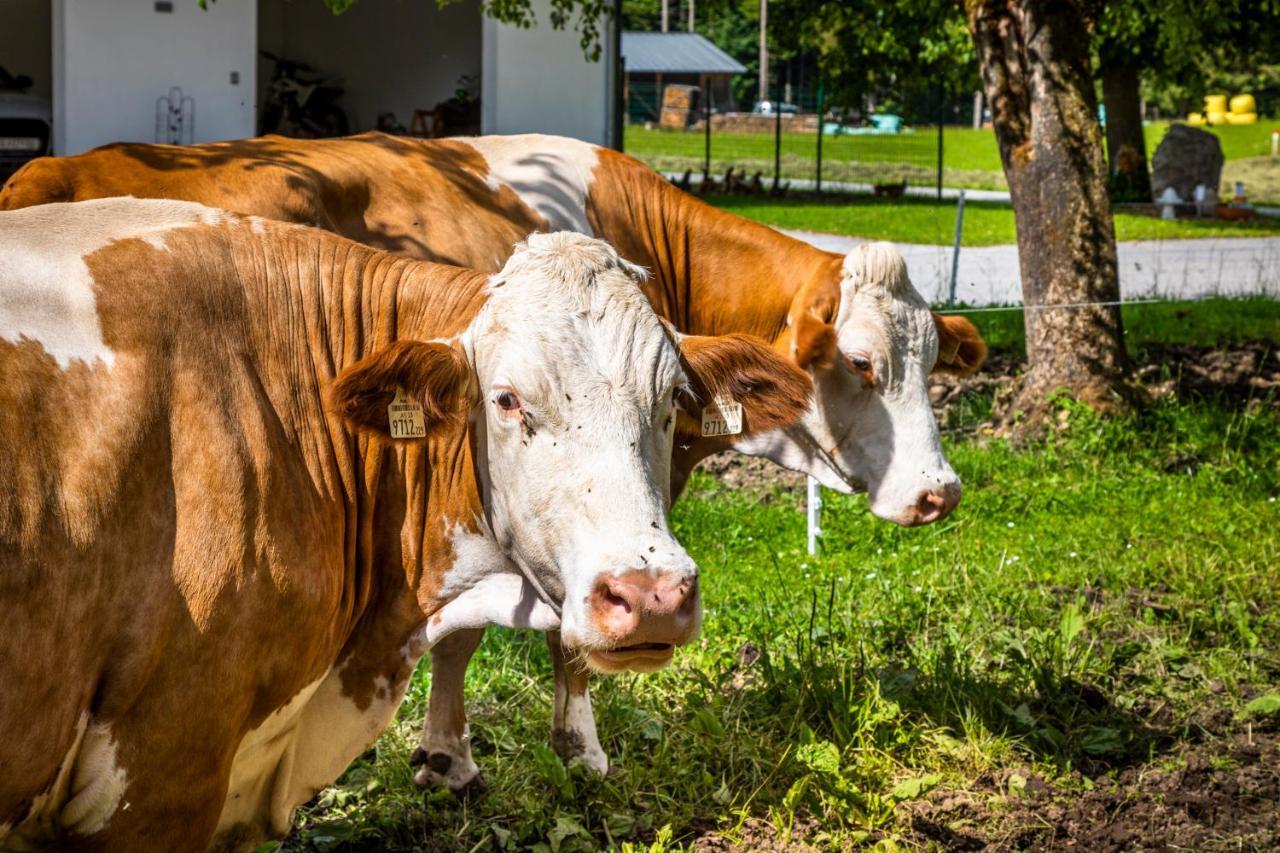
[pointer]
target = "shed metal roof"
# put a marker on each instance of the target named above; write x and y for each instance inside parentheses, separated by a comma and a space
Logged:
(675, 53)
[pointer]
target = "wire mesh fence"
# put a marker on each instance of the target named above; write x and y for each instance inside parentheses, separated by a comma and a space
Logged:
(793, 140)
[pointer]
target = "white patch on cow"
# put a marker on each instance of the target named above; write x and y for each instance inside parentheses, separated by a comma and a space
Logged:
(98, 785)
(301, 748)
(496, 599)
(87, 790)
(575, 727)
(550, 174)
(46, 289)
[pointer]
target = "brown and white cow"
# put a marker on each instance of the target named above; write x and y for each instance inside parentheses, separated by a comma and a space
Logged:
(854, 323)
(218, 567)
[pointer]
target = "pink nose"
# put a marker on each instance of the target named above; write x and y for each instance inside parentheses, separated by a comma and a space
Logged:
(640, 608)
(934, 505)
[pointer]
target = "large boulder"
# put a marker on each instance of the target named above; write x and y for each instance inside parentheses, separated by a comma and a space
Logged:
(1187, 156)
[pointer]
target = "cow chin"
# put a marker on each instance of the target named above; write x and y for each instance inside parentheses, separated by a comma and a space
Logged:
(649, 657)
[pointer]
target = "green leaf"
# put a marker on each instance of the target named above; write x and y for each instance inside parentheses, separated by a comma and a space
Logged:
(1070, 625)
(910, 789)
(651, 729)
(821, 757)
(707, 722)
(1264, 705)
(1102, 741)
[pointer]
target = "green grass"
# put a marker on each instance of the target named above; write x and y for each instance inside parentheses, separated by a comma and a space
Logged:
(1091, 599)
(918, 220)
(1238, 141)
(971, 158)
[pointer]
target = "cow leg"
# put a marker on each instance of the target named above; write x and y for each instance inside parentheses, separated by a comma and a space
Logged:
(573, 729)
(444, 752)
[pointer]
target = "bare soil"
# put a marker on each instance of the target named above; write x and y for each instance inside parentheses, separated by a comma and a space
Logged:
(1220, 794)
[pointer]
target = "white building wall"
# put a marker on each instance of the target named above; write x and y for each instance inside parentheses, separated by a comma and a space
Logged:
(537, 81)
(390, 55)
(25, 42)
(114, 58)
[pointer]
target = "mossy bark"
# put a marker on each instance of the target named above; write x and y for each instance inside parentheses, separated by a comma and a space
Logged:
(1034, 57)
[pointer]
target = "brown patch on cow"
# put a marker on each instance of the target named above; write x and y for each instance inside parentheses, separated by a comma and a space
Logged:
(425, 199)
(773, 391)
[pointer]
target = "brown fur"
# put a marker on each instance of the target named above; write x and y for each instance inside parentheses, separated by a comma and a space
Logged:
(773, 391)
(961, 349)
(436, 375)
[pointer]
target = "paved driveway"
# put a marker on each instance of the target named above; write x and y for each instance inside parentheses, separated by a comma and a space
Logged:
(1165, 269)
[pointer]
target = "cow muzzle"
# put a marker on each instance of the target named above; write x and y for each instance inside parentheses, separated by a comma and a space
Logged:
(931, 505)
(642, 616)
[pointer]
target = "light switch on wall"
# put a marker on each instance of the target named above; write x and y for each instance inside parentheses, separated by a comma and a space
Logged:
(235, 78)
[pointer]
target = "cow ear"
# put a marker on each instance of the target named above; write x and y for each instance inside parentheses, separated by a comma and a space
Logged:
(773, 391)
(435, 376)
(961, 349)
(813, 341)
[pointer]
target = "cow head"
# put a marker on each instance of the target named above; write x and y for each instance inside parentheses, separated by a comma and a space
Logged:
(578, 392)
(870, 342)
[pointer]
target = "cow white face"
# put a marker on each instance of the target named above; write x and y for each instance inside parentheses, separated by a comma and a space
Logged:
(578, 392)
(577, 381)
(871, 425)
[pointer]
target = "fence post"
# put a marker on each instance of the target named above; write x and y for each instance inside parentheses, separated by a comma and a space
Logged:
(955, 250)
(817, 184)
(777, 134)
(813, 514)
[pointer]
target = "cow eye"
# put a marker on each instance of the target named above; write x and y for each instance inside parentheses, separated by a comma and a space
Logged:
(507, 401)
(860, 362)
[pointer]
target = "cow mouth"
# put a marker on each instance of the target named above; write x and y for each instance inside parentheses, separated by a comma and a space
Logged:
(640, 657)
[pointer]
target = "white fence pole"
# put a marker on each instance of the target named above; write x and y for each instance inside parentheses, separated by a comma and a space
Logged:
(814, 514)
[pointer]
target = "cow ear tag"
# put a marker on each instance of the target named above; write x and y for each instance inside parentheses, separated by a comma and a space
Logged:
(405, 417)
(723, 417)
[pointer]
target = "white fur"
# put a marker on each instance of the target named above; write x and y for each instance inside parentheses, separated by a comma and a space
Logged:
(550, 174)
(46, 289)
(567, 329)
(87, 790)
(884, 439)
(301, 748)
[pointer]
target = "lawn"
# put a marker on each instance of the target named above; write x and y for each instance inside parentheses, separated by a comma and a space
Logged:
(918, 220)
(1102, 607)
(971, 158)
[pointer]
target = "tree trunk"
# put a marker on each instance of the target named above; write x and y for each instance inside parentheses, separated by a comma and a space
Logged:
(1034, 58)
(1126, 147)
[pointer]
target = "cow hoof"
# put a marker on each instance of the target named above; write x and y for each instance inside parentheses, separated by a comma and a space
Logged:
(418, 758)
(573, 748)
(441, 770)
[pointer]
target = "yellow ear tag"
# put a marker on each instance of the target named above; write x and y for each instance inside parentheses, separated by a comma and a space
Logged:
(406, 417)
(723, 417)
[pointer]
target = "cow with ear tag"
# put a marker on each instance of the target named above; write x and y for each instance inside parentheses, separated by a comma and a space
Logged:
(711, 272)
(250, 471)
(870, 342)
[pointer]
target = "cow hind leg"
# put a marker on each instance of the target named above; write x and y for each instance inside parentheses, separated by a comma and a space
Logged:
(443, 756)
(573, 727)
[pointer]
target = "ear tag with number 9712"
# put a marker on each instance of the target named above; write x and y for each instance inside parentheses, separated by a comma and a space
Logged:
(406, 417)
(723, 417)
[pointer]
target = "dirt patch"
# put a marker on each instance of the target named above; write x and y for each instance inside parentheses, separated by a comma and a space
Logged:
(805, 835)
(751, 473)
(1215, 795)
